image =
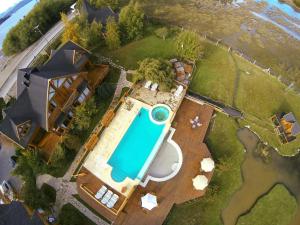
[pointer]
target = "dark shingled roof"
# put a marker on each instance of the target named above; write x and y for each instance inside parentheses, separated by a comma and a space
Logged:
(292, 119)
(100, 15)
(16, 214)
(32, 90)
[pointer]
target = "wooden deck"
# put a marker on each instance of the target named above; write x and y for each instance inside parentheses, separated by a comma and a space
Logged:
(180, 188)
(88, 185)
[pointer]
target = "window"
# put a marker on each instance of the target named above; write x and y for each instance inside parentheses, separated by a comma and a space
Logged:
(23, 129)
(81, 98)
(86, 91)
(74, 77)
(68, 83)
(58, 82)
(51, 92)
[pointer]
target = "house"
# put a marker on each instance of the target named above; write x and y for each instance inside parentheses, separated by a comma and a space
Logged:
(16, 214)
(99, 15)
(47, 95)
(287, 126)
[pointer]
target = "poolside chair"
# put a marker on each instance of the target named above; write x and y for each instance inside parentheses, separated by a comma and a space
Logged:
(111, 203)
(178, 91)
(154, 87)
(148, 84)
(106, 197)
(101, 192)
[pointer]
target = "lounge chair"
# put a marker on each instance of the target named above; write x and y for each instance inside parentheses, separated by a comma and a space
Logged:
(111, 203)
(106, 197)
(101, 192)
(178, 91)
(148, 84)
(154, 87)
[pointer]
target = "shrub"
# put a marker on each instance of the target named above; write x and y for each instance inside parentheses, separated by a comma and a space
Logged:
(162, 32)
(189, 46)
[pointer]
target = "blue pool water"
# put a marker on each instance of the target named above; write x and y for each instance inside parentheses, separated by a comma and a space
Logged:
(137, 147)
(160, 113)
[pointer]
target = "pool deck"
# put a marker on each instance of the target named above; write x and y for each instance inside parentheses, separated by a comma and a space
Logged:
(175, 191)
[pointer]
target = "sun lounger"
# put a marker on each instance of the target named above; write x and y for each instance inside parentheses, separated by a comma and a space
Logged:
(101, 192)
(148, 84)
(154, 87)
(111, 203)
(106, 197)
(178, 91)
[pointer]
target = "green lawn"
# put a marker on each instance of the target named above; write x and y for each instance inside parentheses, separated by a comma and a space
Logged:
(148, 47)
(69, 215)
(278, 207)
(228, 153)
(228, 78)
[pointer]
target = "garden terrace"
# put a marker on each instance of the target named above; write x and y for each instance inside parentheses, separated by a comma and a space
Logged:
(157, 97)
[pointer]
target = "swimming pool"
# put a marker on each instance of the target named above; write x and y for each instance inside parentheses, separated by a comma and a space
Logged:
(137, 148)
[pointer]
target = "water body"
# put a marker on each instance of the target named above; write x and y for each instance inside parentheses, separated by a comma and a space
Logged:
(14, 19)
(283, 7)
(260, 174)
(287, 30)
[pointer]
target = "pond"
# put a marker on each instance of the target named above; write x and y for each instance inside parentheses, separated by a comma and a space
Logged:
(262, 169)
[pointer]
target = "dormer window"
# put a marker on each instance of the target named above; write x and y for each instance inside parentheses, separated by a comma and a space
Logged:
(23, 129)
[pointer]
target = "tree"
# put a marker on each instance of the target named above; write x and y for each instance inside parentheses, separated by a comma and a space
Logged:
(189, 46)
(84, 114)
(101, 3)
(112, 34)
(71, 30)
(162, 32)
(91, 35)
(131, 21)
(158, 71)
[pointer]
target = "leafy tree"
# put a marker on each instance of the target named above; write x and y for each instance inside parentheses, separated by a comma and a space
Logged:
(158, 71)
(72, 141)
(92, 35)
(112, 34)
(100, 3)
(162, 32)
(105, 91)
(189, 46)
(83, 115)
(71, 30)
(131, 21)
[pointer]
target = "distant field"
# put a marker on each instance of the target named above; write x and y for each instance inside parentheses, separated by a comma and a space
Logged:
(228, 78)
(278, 207)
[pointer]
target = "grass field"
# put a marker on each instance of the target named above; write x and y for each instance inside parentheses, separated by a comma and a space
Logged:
(69, 215)
(228, 153)
(230, 79)
(278, 207)
(149, 47)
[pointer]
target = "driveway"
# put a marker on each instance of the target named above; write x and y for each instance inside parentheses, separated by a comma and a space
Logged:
(6, 152)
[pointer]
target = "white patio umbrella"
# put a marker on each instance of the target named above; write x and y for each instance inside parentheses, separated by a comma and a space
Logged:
(207, 164)
(149, 201)
(200, 182)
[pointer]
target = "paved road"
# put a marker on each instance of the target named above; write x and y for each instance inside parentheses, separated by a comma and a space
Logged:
(8, 74)
(7, 150)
